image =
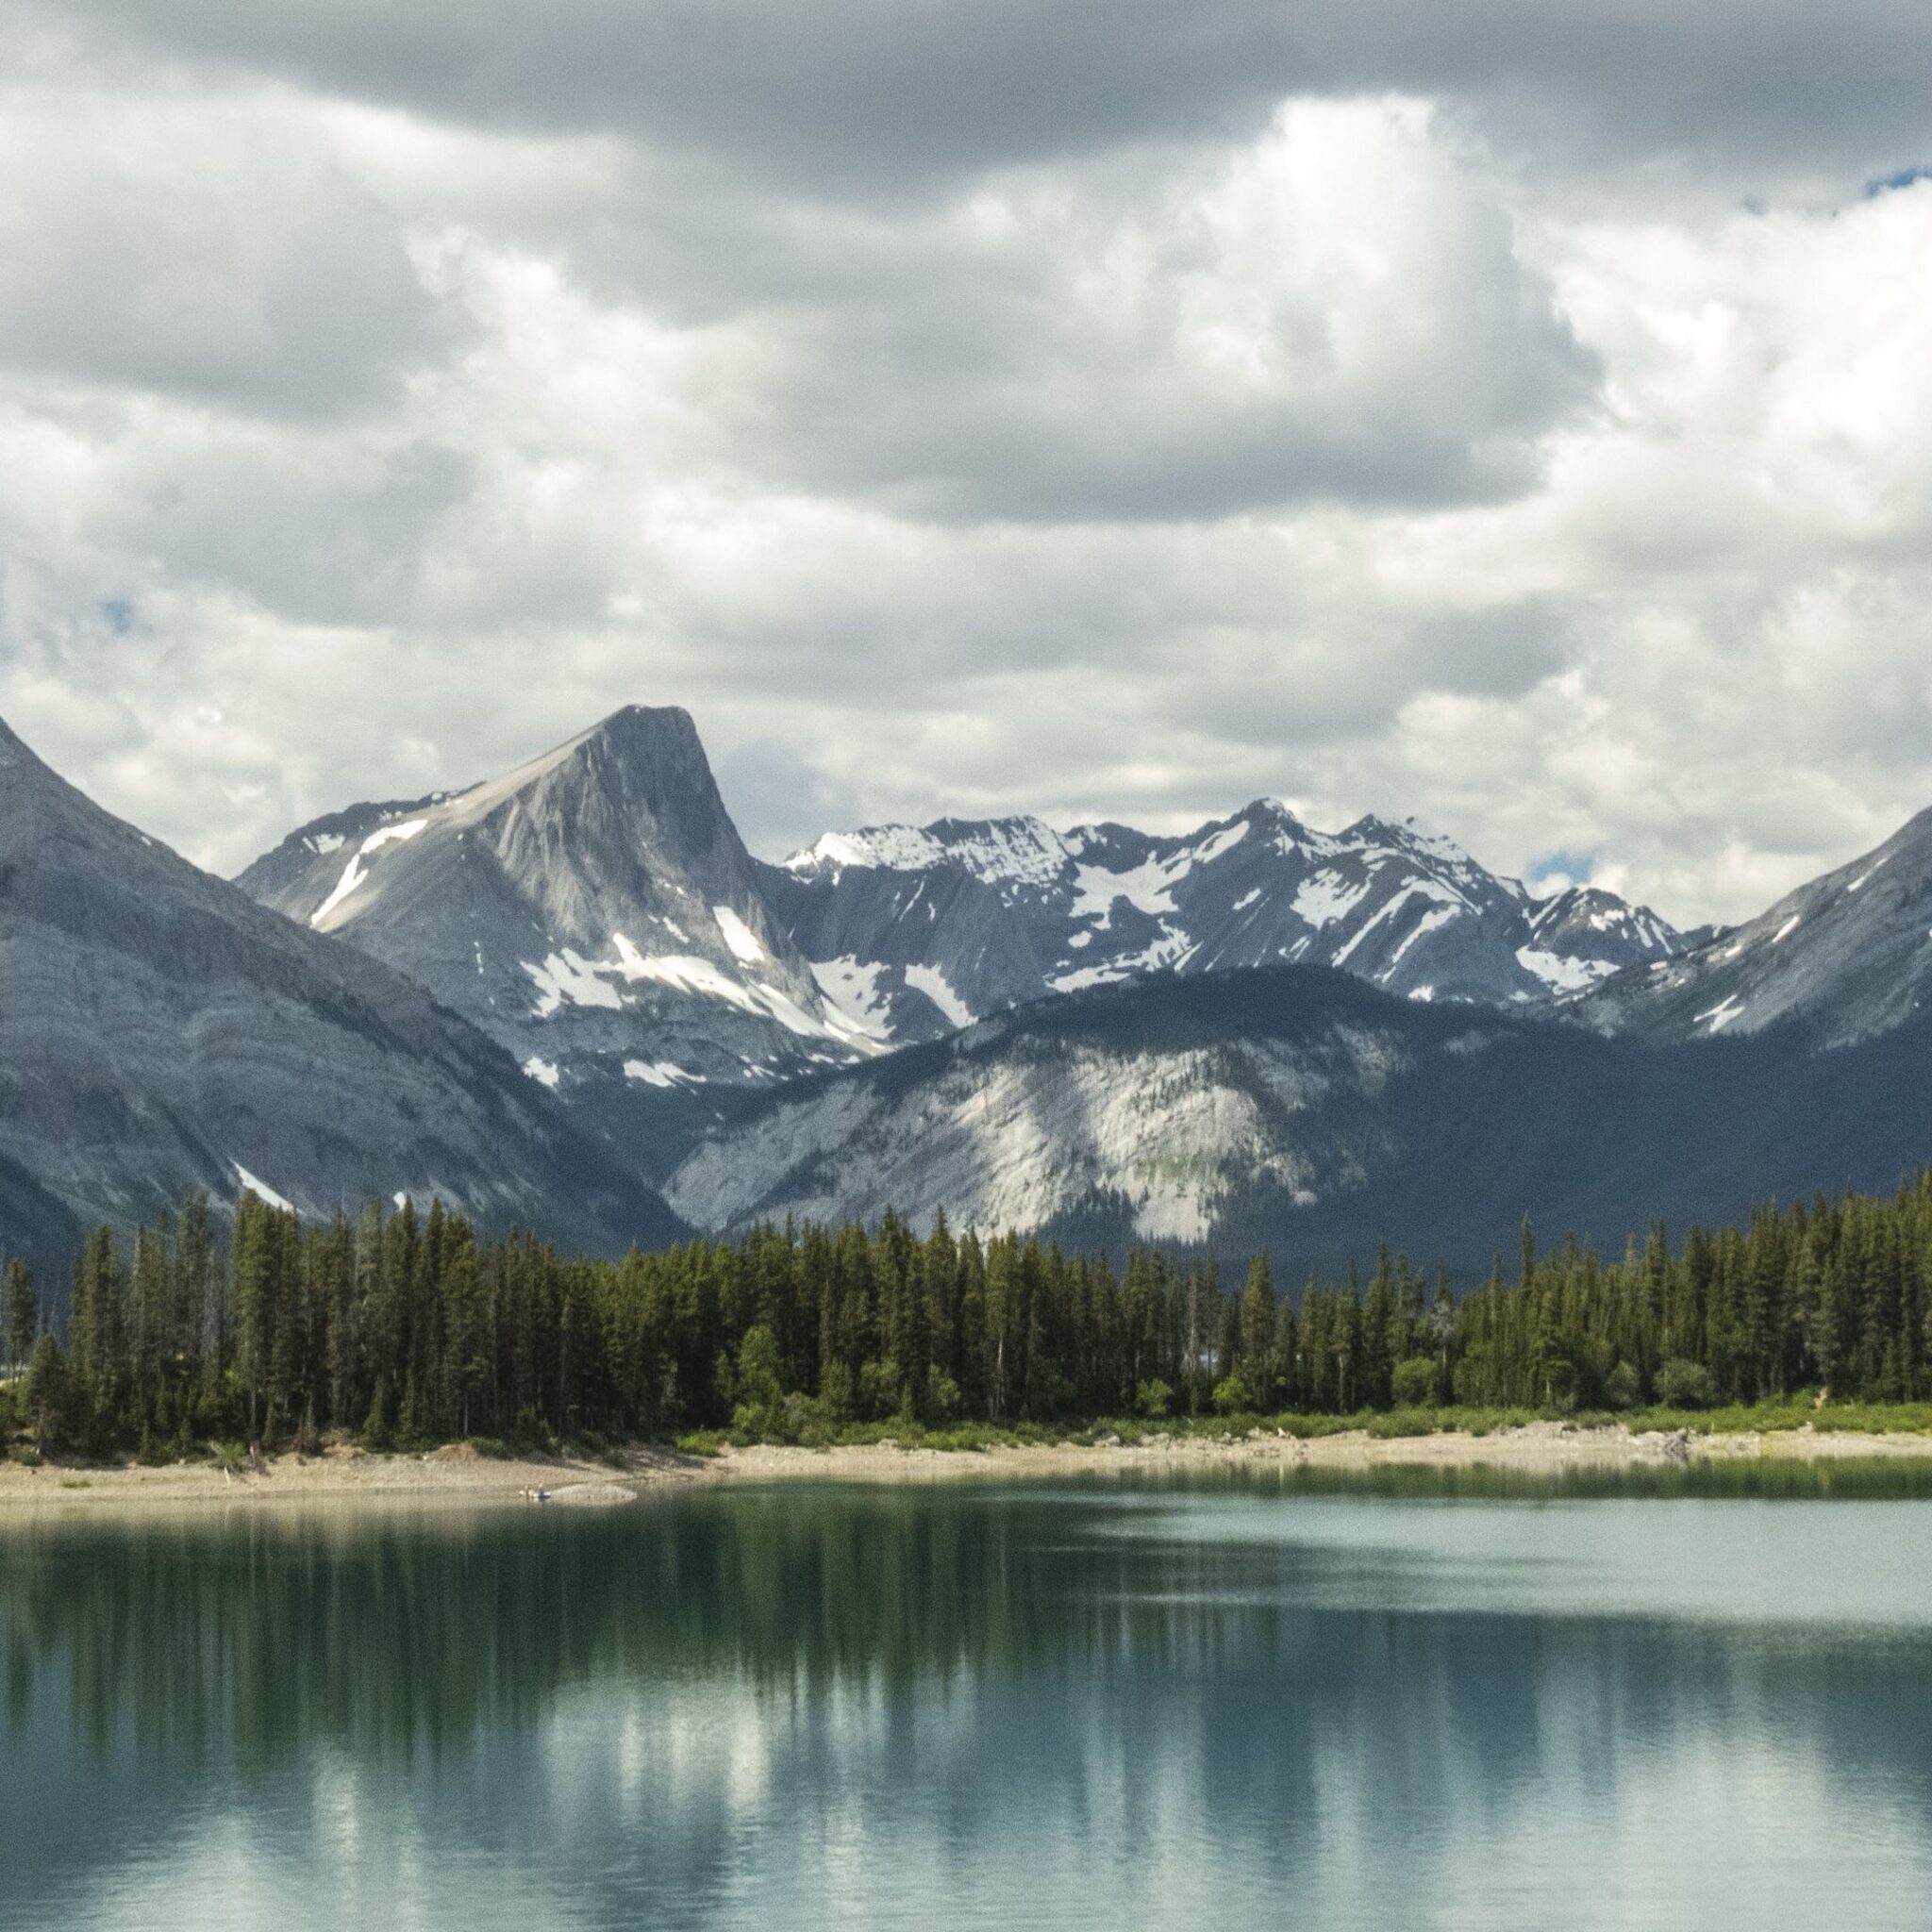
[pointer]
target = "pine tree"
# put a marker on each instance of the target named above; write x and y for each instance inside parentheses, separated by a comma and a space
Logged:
(23, 1312)
(1256, 1364)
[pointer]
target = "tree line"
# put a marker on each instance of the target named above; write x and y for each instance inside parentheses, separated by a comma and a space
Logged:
(408, 1329)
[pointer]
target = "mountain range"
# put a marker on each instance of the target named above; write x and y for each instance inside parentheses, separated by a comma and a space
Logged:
(595, 912)
(917, 930)
(551, 994)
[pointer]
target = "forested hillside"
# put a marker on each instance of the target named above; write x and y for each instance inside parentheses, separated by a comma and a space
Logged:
(1296, 1111)
(407, 1331)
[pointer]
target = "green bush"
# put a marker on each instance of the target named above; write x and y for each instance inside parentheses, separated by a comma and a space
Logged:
(1153, 1399)
(1683, 1385)
(1414, 1382)
(942, 1402)
(879, 1389)
(1622, 1390)
(1231, 1397)
(835, 1396)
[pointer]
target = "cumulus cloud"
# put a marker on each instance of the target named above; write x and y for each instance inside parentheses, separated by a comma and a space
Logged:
(1511, 414)
(1336, 310)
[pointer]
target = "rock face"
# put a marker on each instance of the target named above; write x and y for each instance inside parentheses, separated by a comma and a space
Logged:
(593, 911)
(158, 1029)
(1849, 955)
(917, 931)
(1298, 1110)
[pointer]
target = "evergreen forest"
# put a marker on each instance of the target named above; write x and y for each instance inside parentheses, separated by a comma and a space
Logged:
(404, 1330)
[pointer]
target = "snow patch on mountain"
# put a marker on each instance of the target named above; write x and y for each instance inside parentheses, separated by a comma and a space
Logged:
(565, 978)
(1168, 951)
(852, 986)
(355, 875)
(1147, 887)
(934, 985)
(1324, 898)
(1561, 972)
(746, 947)
(261, 1189)
(660, 1074)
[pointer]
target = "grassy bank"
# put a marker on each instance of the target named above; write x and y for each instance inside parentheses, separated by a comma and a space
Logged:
(1762, 1418)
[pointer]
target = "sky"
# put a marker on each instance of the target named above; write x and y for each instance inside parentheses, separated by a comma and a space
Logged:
(1514, 415)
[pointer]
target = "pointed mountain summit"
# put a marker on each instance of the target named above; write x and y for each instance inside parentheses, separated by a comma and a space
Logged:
(1584, 934)
(594, 910)
(158, 1029)
(1849, 955)
(917, 929)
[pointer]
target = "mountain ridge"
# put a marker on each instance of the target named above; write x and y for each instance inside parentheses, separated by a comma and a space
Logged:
(1002, 910)
(1849, 952)
(1304, 1112)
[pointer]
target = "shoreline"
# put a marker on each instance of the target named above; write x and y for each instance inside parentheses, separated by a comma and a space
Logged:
(458, 1474)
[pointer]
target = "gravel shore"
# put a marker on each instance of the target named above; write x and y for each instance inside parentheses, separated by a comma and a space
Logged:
(458, 1474)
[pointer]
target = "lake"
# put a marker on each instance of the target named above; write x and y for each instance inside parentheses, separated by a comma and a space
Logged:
(1438, 1700)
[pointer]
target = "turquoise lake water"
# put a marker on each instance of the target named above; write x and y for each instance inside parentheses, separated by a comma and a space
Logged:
(1263, 1702)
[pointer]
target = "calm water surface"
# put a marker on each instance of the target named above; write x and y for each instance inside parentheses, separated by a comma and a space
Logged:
(1233, 1703)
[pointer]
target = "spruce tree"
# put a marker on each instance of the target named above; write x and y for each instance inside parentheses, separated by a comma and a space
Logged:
(1258, 1334)
(23, 1313)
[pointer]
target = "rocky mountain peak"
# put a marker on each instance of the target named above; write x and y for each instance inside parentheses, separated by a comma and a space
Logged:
(594, 910)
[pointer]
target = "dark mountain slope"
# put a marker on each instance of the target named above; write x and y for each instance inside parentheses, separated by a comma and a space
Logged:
(158, 1029)
(1849, 953)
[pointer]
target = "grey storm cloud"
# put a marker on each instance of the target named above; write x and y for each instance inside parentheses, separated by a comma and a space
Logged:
(879, 94)
(209, 267)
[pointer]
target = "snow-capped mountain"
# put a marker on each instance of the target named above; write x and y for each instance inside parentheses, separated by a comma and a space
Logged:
(594, 911)
(1849, 955)
(1583, 935)
(158, 1029)
(1301, 1112)
(914, 931)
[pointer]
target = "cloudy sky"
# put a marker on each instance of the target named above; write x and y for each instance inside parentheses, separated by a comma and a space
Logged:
(1513, 414)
